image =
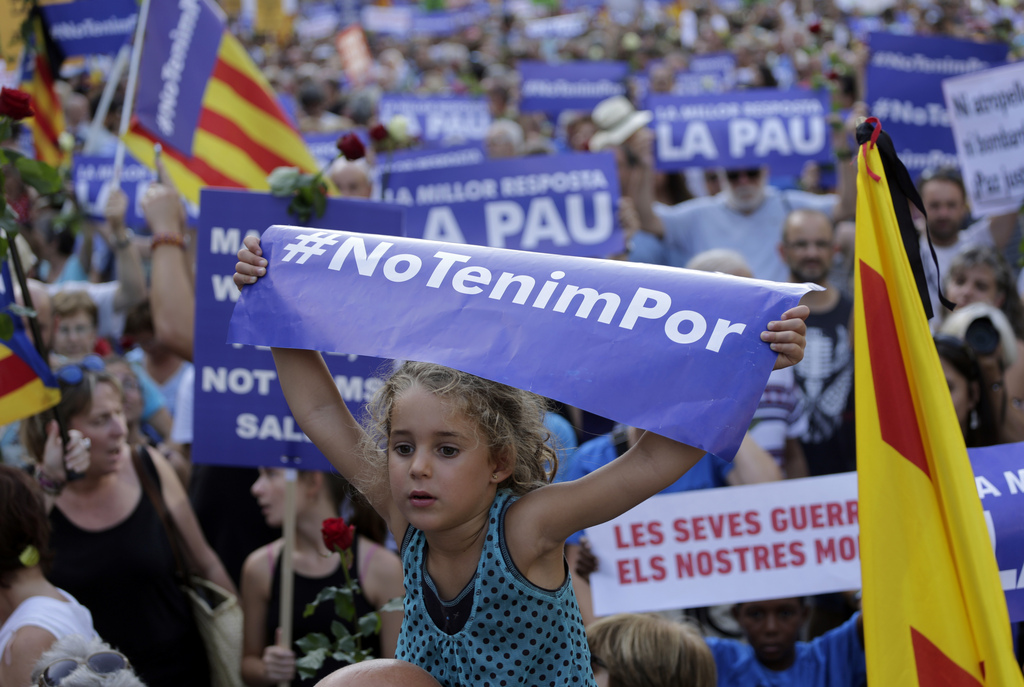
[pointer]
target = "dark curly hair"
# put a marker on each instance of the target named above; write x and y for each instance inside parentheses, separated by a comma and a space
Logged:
(511, 420)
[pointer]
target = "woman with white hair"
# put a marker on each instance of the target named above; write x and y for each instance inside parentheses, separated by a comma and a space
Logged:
(77, 661)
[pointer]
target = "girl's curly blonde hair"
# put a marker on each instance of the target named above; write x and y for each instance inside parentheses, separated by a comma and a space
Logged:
(511, 421)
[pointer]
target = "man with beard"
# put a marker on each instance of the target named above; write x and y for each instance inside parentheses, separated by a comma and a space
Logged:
(825, 375)
(945, 204)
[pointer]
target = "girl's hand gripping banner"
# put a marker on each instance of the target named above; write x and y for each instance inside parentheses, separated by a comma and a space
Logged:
(665, 349)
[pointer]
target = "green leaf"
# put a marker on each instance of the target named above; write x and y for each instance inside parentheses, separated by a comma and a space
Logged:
(283, 180)
(314, 641)
(396, 604)
(344, 606)
(39, 175)
(3, 247)
(344, 657)
(339, 629)
(309, 664)
(346, 644)
(369, 624)
(319, 202)
(6, 326)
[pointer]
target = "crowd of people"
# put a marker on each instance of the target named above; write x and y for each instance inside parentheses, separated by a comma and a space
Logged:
(88, 576)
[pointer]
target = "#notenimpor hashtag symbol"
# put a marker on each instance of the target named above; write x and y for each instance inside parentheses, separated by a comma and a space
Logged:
(306, 245)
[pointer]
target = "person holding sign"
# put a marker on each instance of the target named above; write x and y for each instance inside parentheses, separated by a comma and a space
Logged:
(459, 468)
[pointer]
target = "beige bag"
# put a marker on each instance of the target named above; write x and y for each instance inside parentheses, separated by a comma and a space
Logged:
(217, 612)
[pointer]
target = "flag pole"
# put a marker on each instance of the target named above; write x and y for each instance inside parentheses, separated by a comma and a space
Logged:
(291, 475)
(113, 79)
(33, 325)
(129, 96)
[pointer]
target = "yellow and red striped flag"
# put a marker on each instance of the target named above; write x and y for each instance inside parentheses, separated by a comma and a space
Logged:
(201, 97)
(41, 62)
(934, 610)
(27, 386)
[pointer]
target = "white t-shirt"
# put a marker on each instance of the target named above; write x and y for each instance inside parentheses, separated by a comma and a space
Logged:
(59, 618)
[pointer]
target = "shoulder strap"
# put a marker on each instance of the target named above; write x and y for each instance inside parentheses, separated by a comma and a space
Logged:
(152, 490)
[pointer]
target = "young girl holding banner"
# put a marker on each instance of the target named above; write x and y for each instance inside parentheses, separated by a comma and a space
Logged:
(458, 467)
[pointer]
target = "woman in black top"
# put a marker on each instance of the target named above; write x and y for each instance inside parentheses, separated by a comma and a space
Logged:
(111, 549)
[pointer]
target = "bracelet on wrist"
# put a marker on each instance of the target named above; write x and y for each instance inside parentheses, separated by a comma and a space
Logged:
(168, 240)
(50, 486)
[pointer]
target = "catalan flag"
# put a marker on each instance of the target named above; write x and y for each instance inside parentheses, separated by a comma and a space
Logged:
(27, 386)
(201, 97)
(42, 60)
(934, 610)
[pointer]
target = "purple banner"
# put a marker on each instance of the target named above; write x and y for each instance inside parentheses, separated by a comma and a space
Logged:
(241, 417)
(439, 120)
(563, 204)
(999, 476)
(552, 88)
(92, 175)
(669, 350)
(781, 129)
(904, 90)
(180, 50)
(91, 28)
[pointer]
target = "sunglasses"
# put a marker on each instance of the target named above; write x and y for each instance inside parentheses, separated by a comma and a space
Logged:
(101, 663)
(735, 174)
(72, 374)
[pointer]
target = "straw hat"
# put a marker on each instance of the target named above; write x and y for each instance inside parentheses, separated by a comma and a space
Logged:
(616, 120)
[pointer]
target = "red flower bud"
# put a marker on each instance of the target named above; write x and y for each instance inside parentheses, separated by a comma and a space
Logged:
(15, 104)
(337, 535)
(833, 75)
(814, 27)
(379, 133)
(351, 147)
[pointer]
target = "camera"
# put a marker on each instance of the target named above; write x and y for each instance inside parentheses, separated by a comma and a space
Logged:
(982, 336)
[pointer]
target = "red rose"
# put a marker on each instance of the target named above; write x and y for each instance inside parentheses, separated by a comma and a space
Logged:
(814, 27)
(832, 75)
(351, 147)
(337, 535)
(379, 133)
(15, 104)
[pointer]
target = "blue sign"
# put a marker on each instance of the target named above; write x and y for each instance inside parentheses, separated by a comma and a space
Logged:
(904, 90)
(430, 158)
(182, 42)
(563, 204)
(781, 129)
(447, 22)
(999, 476)
(673, 351)
(91, 28)
(439, 120)
(553, 88)
(92, 176)
(241, 417)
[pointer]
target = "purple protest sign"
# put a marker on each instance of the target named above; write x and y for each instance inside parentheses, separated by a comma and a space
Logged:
(556, 203)
(552, 88)
(439, 120)
(665, 349)
(782, 129)
(999, 476)
(241, 417)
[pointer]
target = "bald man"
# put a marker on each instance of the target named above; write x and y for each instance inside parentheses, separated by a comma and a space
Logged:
(351, 178)
(380, 672)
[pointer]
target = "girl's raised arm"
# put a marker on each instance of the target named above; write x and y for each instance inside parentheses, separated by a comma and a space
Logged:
(313, 397)
(651, 465)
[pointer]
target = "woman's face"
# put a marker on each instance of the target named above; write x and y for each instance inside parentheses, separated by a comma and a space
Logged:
(975, 284)
(269, 492)
(105, 426)
(133, 403)
(963, 393)
(74, 336)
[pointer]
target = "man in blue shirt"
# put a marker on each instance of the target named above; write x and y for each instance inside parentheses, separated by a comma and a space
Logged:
(774, 658)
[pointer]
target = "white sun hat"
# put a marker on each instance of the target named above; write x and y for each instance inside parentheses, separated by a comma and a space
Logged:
(616, 120)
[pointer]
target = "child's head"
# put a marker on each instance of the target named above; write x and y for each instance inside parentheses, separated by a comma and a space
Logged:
(509, 420)
(772, 627)
(634, 650)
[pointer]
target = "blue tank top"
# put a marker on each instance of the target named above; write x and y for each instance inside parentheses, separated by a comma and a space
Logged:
(517, 633)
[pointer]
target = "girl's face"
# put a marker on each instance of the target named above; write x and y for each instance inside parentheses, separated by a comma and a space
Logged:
(441, 470)
(963, 393)
(105, 426)
(269, 492)
(975, 284)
